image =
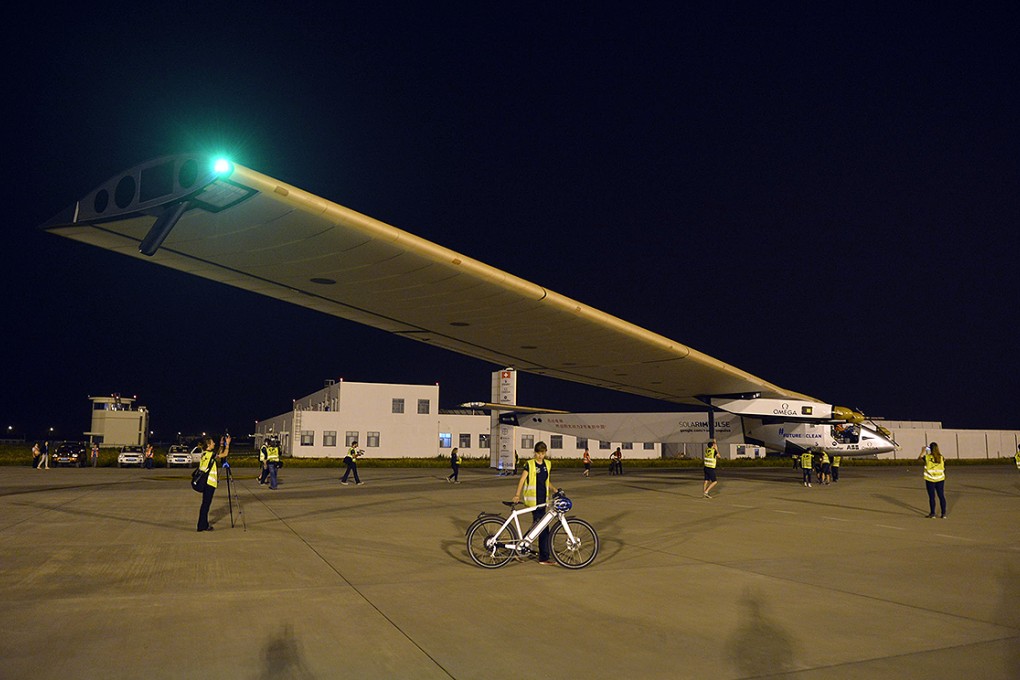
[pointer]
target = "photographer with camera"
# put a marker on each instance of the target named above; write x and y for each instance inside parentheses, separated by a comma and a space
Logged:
(351, 461)
(208, 464)
(269, 456)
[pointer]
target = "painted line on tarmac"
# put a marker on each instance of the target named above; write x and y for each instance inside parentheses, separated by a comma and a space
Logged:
(836, 519)
(785, 512)
(959, 538)
(886, 526)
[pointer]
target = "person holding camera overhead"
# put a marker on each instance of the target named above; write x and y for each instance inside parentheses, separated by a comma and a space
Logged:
(934, 477)
(209, 462)
(351, 461)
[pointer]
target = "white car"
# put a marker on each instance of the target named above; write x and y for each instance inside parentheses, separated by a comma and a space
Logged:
(179, 455)
(130, 455)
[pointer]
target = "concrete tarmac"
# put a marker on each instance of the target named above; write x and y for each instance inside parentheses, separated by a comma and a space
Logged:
(105, 576)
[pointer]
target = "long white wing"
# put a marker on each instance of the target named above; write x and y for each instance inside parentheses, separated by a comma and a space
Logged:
(249, 230)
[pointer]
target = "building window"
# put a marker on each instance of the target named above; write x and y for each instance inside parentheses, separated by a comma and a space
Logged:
(398, 405)
(627, 446)
(329, 438)
(556, 441)
(649, 446)
(483, 441)
(351, 437)
(528, 442)
(307, 438)
(465, 441)
(423, 407)
(582, 443)
(445, 440)
(603, 445)
(372, 439)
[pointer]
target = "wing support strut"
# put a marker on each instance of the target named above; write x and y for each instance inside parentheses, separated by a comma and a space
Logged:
(166, 221)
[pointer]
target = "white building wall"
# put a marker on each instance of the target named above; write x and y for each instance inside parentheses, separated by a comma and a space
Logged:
(364, 408)
(955, 443)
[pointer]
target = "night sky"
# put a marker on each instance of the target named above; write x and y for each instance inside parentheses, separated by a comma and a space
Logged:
(826, 198)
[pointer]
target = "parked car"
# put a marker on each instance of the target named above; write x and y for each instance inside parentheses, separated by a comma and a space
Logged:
(131, 455)
(179, 455)
(70, 453)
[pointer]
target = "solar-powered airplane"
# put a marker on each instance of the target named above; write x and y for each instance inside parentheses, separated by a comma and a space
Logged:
(222, 221)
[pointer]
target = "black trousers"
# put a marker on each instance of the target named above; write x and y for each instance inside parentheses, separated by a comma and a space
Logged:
(936, 488)
(352, 466)
(203, 513)
(544, 544)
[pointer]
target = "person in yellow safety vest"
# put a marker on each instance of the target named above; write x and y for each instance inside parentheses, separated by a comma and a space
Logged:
(536, 486)
(934, 477)
(835, 468)
(351, 461)
(269, 456)
(1017, 457)
(805, 466)
(711, 458)
(209, 462)
(826, 467)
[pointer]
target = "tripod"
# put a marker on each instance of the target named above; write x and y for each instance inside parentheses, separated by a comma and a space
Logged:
(233, 498)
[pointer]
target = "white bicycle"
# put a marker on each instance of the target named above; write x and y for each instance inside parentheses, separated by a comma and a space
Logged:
(493, 541)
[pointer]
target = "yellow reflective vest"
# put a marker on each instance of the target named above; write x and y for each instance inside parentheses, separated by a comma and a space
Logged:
(272, 453)
(835, 461)
(805, 461)
(825, 458)
(531, 486)
(208, 462)
(934, 471)
(1017, 457)
(711, 455)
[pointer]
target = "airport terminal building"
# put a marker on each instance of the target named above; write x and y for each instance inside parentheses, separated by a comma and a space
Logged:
(404, 421)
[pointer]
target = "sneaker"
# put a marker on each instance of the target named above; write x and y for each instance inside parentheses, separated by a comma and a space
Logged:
(943, 516)
(930, 516)
(456, 481)
(343, 482)
(547, 563)
(707, 496)
(809, 485)
(360, 484)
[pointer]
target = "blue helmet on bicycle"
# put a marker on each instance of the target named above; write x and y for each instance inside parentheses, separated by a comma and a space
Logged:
(562, 504)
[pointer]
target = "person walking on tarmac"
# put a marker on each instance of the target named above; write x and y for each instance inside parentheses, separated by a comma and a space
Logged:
(351, 461)
(934, 477)
(805, 466)
(835, 468)
(586, 459)
(711, 458)
(209, 462)
(537, 488)
(1017, 457)
(455, 464)
(269, 456)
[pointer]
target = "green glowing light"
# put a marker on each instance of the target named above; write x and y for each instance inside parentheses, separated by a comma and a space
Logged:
(221, 166)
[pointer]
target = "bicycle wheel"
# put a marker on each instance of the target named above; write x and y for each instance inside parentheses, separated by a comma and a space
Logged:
(577, 552)
(486, 544)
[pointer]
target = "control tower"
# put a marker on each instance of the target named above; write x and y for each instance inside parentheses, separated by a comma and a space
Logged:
(118, 421)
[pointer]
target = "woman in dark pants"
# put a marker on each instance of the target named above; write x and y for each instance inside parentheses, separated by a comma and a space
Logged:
(455, 464)
(934, 477)
(210, 461)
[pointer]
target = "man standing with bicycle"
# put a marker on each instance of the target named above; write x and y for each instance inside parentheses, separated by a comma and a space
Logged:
(536, 485)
